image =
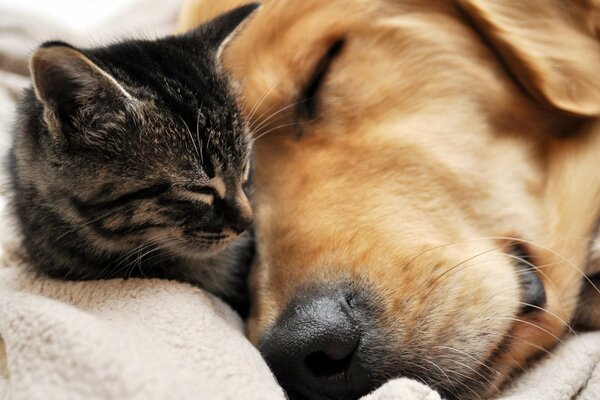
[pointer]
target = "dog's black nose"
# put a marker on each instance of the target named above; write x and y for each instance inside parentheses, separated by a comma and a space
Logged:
(313, 349)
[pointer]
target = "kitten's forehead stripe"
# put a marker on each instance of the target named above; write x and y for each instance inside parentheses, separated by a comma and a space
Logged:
(219, 186)
(196, 94)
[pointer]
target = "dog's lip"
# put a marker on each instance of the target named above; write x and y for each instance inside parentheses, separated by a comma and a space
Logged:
(491, 366)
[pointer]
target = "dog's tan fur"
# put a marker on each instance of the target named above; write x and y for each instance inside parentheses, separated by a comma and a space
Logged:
(426, 160)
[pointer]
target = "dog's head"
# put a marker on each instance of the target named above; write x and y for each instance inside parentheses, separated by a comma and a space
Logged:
(411, 202)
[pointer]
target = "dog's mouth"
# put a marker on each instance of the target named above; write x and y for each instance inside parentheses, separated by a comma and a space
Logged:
(489, 374)
(330, 342)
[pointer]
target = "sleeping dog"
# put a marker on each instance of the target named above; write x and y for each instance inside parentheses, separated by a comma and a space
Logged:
(427, 187)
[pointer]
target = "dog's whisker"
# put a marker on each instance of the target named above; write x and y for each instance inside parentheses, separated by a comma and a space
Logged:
(519, 320)
(514, 337)
(465, 377)
(453, 268)
(479, 362)
(450, 381)
(539, 271)
(554, 252)
(566, 324)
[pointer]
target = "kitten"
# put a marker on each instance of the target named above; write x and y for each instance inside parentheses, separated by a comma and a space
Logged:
(133, 160)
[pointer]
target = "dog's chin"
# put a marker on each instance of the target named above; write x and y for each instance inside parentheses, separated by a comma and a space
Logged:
(385, 362)
(481, 380)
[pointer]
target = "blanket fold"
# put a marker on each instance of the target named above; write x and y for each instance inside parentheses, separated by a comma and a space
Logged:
(135, 339)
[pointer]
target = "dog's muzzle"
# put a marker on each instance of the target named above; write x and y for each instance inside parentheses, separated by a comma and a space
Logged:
(313, 347)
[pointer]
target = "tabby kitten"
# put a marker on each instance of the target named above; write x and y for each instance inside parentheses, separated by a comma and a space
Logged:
(133, 160)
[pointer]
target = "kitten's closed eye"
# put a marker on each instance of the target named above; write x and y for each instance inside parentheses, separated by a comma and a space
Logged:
(206, 190)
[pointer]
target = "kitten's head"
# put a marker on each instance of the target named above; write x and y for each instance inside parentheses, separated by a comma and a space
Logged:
(142, 140)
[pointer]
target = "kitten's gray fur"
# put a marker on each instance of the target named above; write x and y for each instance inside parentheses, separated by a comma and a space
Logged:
(133, 160)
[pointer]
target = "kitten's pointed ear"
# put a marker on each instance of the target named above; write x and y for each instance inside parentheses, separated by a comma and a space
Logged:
(65, 80)
(220, 30)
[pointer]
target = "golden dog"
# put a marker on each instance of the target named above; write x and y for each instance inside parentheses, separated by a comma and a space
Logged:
(426, 188)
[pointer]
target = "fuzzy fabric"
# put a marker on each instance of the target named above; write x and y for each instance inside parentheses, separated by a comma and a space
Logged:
(152, 339)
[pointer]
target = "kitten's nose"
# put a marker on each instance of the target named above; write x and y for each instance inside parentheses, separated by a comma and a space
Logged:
(240, 216)
(312, 349)
(242, 223)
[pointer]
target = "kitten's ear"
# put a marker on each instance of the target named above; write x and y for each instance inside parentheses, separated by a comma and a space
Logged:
(65, 80)
(219, 31)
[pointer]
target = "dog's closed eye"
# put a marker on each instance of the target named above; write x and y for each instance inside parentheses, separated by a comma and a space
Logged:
(308, 101)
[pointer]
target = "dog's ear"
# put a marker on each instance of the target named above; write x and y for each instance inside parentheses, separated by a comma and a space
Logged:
(550, 47)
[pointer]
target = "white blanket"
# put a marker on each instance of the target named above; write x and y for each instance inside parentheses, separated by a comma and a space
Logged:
(151, 339)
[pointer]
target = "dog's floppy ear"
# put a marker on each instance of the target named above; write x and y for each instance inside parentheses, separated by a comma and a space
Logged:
(550, 46)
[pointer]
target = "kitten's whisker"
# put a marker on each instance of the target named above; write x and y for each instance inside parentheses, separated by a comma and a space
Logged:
(74, 227)
(141, 256)
(274, 129)
(113, 269)
(141, 247)
(190, 134)
(259, 120)
(198, 132)
(270, 117)
(154, 244)
(261, 100)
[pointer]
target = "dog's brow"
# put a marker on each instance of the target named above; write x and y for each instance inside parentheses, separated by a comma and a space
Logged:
(306, 108)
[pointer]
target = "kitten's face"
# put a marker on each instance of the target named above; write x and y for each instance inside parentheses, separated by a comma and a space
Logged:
(162, 179)
(144, 142)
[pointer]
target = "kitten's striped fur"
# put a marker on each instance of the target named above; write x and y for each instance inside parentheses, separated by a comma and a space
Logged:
(133, 160)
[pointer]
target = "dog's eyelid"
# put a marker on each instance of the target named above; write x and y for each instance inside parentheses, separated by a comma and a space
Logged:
(308, 97)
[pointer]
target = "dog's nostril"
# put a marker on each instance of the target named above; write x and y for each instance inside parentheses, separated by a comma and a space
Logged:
(322, 365)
